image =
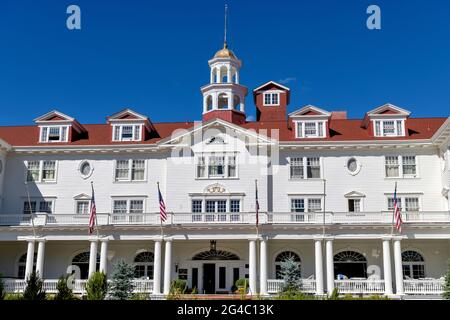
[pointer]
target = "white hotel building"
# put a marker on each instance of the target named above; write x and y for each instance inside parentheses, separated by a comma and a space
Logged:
(325, 187)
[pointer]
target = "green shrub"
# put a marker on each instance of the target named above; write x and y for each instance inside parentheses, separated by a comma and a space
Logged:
(97, 286)
(122, 285)
(64, 292)
(34, 289)
(334, 295)
(178, 287)
(13, 296)
(446, 294)
(2, 288)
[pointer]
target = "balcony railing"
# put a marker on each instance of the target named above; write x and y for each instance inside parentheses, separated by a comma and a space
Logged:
(79, 286)
(296, 218)
(424, 286)
(360, 286)
(307, 285)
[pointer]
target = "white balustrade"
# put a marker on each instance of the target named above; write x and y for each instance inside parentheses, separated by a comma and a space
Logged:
(307, 285)
(360, 286)
(424, 286)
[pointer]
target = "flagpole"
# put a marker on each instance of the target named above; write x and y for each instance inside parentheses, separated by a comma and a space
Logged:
(393, 213)
(31, 210)
(160, 219)
(96, 221)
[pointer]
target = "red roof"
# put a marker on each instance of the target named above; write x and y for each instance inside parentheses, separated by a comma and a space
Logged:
(340, 130)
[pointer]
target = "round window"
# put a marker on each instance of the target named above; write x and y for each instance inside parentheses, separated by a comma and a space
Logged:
(85, 169)
(353, 166)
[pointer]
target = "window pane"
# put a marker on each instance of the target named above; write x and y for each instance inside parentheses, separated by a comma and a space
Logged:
(314, 205)
(222, 206)
(122, 170)
(399, 128)
(267, 98)
(320, 126)
(377, 128)
(33, 168)
(64, 134)
(274, 98)
(310, 129)
(299, 129)
(201, 167)
(232, 166)
(138, 170)
(297, 205)
(235, 206)
(49, 170)
(313, 167)
(137, 206)
(392, 168)
(44, 131)
(409, 165)
(120, 206)
(411, 204)
(216, 166)
(45, 206)
(82, 207)
(197, 206)
(388, 128)
(54, 134)
(137, 133)
(391, 203)
(210, 206)
(116, 133)
(296, 168)
(127, 132)
(29, 207)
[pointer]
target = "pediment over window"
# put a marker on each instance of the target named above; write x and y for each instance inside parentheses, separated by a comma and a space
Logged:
(388, 109)
(127, 114)
(82, 196)
(354, 194)
(310, 111)
(54, 116)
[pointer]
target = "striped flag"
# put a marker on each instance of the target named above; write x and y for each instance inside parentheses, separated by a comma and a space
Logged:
(162, 206)
(93, 211)
(256, 202)
(397, 212)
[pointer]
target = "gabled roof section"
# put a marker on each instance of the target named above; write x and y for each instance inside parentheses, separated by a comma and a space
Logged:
(56, 117)
(271, 84)
(127, 115)
(176, 137)
(4, 145)
(310, 110)
(388, 109)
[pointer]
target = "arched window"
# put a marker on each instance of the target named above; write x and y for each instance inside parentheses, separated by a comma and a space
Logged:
(81, 260)
(209, 103)
(413, 265)
(223, 101)
(350, 264)
(282, 257)
(23, 264)
(215, 255)
(236, 102)
(143, 265)
(223, 74)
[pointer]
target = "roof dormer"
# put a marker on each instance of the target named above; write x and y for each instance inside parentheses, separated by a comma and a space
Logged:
(56, 126)
(310, 122)
(271, 100)
(386, 121)
(128, 125)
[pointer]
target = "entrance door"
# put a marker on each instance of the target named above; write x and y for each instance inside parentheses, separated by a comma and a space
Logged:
(209, 278)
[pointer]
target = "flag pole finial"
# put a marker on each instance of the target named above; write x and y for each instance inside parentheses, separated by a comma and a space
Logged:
(225, 44)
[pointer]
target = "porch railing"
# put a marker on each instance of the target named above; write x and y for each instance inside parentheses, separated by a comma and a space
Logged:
(79, 286)
(425, 286)
(363, 286)
(296, 218)
(274, 285)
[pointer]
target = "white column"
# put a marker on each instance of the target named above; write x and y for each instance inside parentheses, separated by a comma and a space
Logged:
(252, 267)
(319, 266)
(330, 266)
(387, 267)
(30, 259)
(212, 76)
(167, 266)
(205, 104)
(40, 258)
(93, 257)
(263, 268)
(104, 256)
(230, 101)
(157, 268)
(237, 76)
(215, 97)
(229, 75)
(398, 267)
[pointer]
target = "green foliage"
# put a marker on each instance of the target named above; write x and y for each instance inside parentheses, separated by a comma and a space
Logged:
(334, 295)
(13, 296)
(140, 296)
(2, 288)
(292, 295)
(64, 292)
(446, 294)
(34, 288)
(291, 274)
(97, 286)
(122, 285)
(241, 287)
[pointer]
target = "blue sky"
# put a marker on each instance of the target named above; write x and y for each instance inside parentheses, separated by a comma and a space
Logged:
(152, 56)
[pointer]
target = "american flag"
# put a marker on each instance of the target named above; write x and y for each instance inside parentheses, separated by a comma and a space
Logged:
(162, 207)
(256, 203)
(93, 211)
(397, 212)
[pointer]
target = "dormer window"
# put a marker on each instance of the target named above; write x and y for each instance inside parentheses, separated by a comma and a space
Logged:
(271, 98)
(389, 128)
(310, 129)
(54, 134)
(127, 132)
